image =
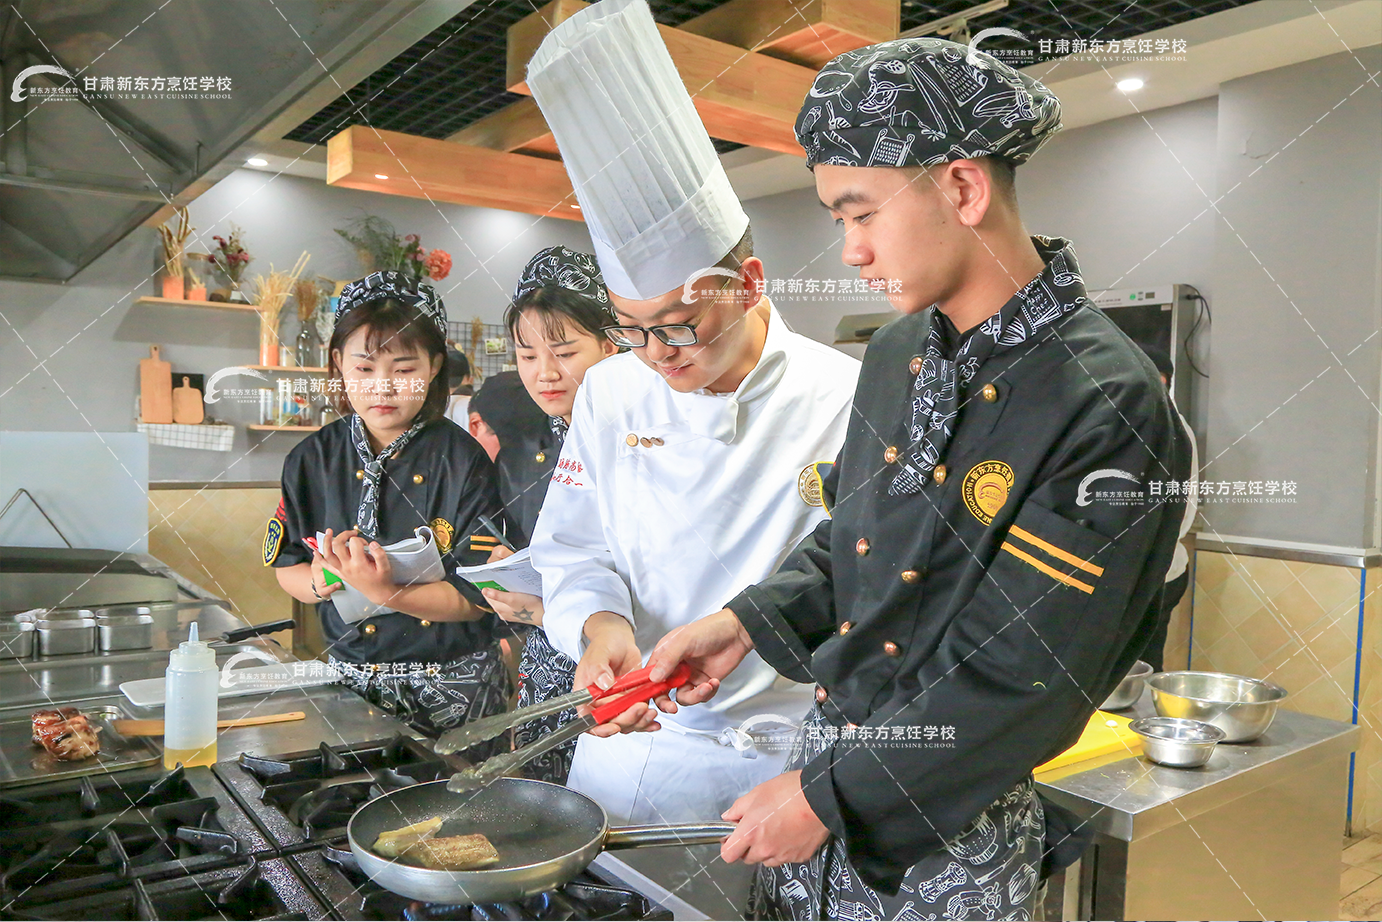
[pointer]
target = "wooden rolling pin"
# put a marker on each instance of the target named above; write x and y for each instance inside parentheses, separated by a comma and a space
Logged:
(155, 727)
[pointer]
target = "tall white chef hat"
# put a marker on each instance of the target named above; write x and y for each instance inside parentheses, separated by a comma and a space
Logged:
(655, 198)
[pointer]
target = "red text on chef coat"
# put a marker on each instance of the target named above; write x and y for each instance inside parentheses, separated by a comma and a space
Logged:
(565, 468)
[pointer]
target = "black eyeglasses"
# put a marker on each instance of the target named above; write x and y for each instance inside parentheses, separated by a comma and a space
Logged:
(671, 334)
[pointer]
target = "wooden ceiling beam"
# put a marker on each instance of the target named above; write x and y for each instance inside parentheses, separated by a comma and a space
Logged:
(805, 32)
(448, 172)
(742, 96)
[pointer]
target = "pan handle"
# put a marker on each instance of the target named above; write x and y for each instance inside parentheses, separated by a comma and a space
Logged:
(679, 834)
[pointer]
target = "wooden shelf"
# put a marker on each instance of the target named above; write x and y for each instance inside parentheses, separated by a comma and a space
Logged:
(261, 427)
(307, 368)
(218, 305)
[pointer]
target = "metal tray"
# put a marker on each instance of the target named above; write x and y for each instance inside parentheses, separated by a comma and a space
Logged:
(22, 761)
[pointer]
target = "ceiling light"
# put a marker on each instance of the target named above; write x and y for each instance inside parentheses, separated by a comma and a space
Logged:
(577, 207)
(1131, 84)
(256, 161)
(380, 176)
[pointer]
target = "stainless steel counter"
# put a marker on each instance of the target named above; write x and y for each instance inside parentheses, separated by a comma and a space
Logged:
(1255, 833)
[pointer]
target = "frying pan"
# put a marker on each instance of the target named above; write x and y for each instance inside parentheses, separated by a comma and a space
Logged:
(545, 834)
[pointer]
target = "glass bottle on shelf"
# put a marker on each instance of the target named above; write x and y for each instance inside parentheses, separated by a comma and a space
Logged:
(306, 346)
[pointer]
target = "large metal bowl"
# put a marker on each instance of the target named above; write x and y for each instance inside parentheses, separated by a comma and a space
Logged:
(1242, 707)
(1130, 689)
(1175, 741)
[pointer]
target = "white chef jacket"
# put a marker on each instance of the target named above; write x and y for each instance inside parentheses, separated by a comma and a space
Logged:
(664, 534)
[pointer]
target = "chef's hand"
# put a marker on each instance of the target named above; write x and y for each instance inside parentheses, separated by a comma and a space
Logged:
(364, 565)
(499, 553)
(517, 607)
(775, 825)
(712, 646)
(610, 652)
(319, 577)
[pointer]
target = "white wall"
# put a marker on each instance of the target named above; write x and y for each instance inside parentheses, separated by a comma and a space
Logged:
(69, 354)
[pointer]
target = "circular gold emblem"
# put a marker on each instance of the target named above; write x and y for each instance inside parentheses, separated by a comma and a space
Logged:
(443, 532)
(809, 485)
(986, 489)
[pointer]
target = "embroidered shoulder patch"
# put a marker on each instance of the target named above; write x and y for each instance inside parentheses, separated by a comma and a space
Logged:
(985, 489)
(444, 533)
(273, 540)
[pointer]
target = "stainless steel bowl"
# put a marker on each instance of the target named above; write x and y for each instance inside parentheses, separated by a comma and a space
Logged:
(1176, 741)
(1130, 689)
(1242, 707)
(16, 639)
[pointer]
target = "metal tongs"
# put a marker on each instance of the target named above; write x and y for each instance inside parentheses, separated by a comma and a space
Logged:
(627, 691)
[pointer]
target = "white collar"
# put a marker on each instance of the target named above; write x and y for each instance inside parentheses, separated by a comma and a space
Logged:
(716, 416)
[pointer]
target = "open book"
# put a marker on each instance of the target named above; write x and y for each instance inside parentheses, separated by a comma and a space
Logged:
(414, 560)
(512, 574)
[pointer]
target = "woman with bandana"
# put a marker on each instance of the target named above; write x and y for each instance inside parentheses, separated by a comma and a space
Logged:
(392, 463)
(556, 322)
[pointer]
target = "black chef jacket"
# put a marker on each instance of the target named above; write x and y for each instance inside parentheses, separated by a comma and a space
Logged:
(1005, 600)
(442, 478)
(525, 470)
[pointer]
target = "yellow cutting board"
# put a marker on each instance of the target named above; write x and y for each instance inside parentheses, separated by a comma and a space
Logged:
(1105, 734)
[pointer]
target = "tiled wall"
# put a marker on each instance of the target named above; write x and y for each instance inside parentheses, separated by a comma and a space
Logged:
(1297, 625)
(214, 537)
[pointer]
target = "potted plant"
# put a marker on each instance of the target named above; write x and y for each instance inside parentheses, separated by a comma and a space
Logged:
(379, 247)
(174, 247)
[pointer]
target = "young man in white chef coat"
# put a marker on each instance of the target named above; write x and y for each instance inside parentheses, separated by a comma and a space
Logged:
(689, 470)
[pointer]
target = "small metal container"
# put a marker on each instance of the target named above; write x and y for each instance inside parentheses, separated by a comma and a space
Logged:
(124, 632)
(1242, 707)
(1130, 689)
(1175, 741)
(17, 640)
(66, 636)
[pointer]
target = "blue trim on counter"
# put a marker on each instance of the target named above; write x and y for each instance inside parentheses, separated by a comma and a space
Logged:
(1357, 679)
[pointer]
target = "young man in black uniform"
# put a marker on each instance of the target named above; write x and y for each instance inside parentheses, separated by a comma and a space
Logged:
(973, 597)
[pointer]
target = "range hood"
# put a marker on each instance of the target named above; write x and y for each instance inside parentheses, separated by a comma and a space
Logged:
(86, 161)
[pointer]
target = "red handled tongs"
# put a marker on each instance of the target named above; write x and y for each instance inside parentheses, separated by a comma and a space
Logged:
(608, 704)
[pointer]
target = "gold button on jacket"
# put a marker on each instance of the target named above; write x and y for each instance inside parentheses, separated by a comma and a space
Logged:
(861, 547)
(369, 629)
(844, 628)
(911, 576)
(540, 457)
(939, 473)
(360, 474)
(821, 695)
(418, 478)
(989, 392)
(891, 648)
(914, 366)
(631, 440)
(890, 454)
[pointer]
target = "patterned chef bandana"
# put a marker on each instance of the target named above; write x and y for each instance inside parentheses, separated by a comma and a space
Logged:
(367, 515)
(564, 268)
(920, 102)
(396, 285)
(940, 388)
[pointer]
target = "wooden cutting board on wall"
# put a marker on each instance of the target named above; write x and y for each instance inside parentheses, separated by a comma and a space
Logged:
(155, 389)
(187, 404)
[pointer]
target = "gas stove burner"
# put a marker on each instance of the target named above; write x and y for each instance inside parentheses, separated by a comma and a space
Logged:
(309, 796)
(583, 898)
(95, 833)
(254, 889)
(91, 795)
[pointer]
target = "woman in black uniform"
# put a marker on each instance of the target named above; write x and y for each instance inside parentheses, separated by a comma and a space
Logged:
(556, 322)
(391, 464)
